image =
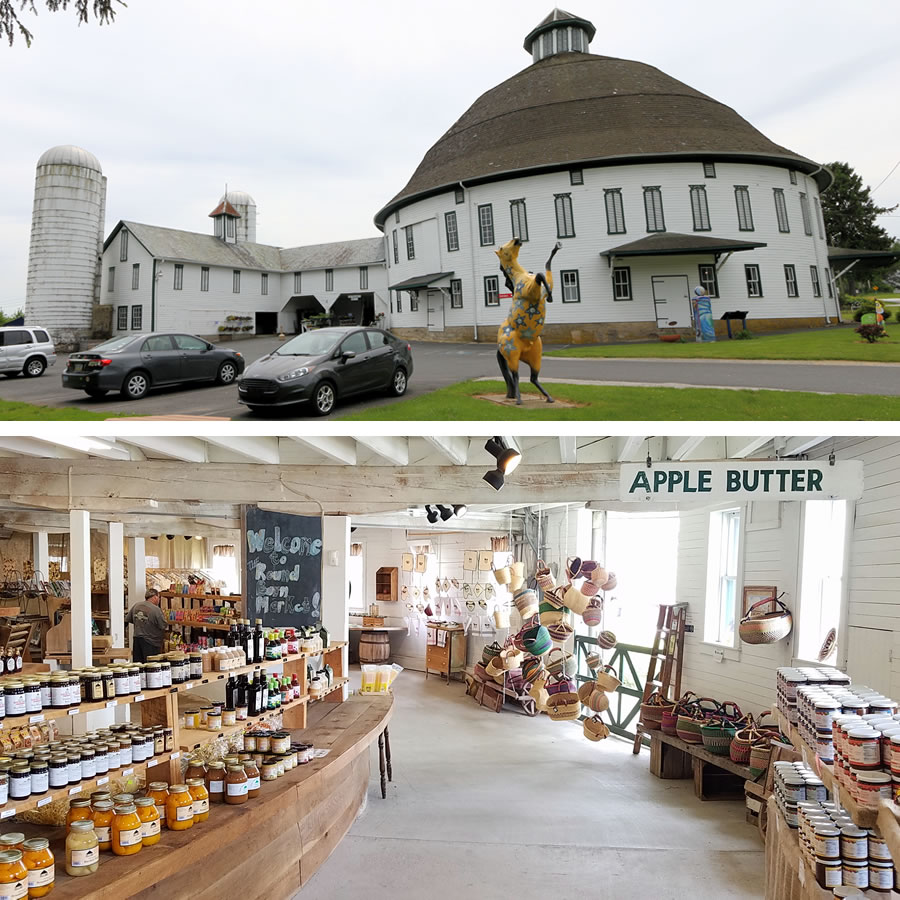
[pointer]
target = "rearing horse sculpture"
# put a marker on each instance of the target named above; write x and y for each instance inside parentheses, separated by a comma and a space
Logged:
(519, 337)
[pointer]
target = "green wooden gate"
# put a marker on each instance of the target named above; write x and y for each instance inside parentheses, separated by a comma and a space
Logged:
(625, 703)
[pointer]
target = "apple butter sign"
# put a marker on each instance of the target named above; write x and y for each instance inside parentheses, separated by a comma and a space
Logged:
(284, 567)
(738, 480)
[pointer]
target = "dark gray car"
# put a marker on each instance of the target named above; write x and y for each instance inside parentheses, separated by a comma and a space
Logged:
(136, 363)
(321, 366)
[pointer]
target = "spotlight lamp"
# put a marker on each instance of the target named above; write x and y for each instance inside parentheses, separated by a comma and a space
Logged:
(507, 461)
(170, 537)
(446, 512)
(432, 514)
(460, 509)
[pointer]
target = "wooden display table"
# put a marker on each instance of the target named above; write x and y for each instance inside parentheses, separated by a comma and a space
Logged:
(788, 877)
(715, 777)
(268, 847)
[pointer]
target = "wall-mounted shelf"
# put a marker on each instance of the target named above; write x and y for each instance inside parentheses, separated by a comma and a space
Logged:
(386, 584)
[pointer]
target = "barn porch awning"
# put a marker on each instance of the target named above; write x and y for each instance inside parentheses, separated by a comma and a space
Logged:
(420, 282)
(670, 243)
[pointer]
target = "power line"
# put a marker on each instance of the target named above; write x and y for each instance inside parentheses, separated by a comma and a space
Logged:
(887, 176)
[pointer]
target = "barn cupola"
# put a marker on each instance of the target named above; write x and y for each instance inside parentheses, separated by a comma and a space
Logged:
(225, 217)
(560, 32)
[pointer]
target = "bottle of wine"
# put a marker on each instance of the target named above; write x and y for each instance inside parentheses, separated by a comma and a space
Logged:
(253, 695)
(259, 651)
(230, 687)
(248, 641)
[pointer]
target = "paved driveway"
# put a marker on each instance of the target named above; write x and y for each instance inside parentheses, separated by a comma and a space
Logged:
(439, 365)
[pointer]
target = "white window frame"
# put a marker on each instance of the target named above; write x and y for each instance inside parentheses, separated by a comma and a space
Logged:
(137, 317)
(178, 277)
(410, 242)
(622, 288)
(229, 227)
(486, 224)
(565, 216)
(615, 211)
(519, 219)
(744, 207)
(111, 280)
(451, 227)
(456, 294)
(753, 277)
(781, 213)
(820, 574)
(722, 569)
(123, 246)
(820, 220)
(204, 278)
(804, 210)
(264, 283)
(816, 281)
(491, 290)
(329, 279)
(571, 286)
(363, 278)
(121, 314)
(235, 281)
(790, 280)
(136, 276)
(298, 283)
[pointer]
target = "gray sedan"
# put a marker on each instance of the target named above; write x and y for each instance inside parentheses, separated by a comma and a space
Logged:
(136, 363)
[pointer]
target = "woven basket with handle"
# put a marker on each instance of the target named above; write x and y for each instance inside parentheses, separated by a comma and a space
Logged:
(690, 721)
(766, 628)
(606, 679)
(717, 735)
(669, 722)
(652, 710)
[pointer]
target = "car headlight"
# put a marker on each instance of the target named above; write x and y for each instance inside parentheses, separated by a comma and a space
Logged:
(295, 374)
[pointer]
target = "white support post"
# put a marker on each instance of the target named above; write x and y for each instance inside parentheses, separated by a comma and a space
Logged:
(40, 543)
(80, 571)
(137, 570)
(115, 558)
(335, 581)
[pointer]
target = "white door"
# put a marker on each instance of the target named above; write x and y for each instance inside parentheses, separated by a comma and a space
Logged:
(435, 310)
(673, 304)
(869, 657)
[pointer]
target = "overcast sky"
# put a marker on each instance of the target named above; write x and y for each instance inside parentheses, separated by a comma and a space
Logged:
(323, 111)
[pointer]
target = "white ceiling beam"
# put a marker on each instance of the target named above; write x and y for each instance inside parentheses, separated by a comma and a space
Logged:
(186, 449)
(568, 450)
(341, 450)
(41, 449)
(456, 449)
(742, 447)
(683, 448)
(90, 446)
(394, 449)
(629, 448)
(796, 446)
(256, 449)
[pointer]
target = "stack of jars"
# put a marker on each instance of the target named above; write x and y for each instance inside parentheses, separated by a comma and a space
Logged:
(837, 851)
(27, 867)
(790, 680)
(795, 783)
(233, 780)
(867, 751)
(60, 764)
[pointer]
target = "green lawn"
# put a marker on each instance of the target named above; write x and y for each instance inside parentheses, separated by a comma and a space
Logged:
(831, 344)
(458, 403)
(12, 411)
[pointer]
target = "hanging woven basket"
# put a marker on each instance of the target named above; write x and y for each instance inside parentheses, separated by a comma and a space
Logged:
(595, 729)
(766, 628)
(606, 679)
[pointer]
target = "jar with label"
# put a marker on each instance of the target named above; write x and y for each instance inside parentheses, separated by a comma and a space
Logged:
(213, 722)
(40, 777)
(200, 796)
(241, 712)
(250, 742)
(126, 752)
(45, 691)
(109, 684)
(263, 743)
(82, 849)
(74, 690)
(58, 771)
(154, 676)
(138, 749)
(159, 741)
(280, 742)
(856, 873)
(101, 758)
(165, 669)
(269, 769)
(93, 687)
(126, 830)
(32, 697)
(215, 781)
(204, 715)
(20, 781)
(4, 788)
(14, 698)
(168, 739)
(253, 778)
(158, 791)
(79, 810)
(196, 665)
(881, 876)
(13, 875)
(854, 843)
(151, 827)
(229, 716)
(304, 753)
(864, 749)
(74, 761)
(102, 813)
(134, 678)
(871, 787)
(878, 848)
(41, 866)
(236, 785)
(122, 682)
(176, 665)
(88, 763)
(179, 808)
(112, 753)
(829, 872)
(826, 842)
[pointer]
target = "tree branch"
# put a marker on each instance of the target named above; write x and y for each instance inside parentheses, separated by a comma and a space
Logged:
(104, 11)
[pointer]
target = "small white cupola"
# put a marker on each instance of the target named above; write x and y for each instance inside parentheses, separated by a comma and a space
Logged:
(560, 32)
(225, 216)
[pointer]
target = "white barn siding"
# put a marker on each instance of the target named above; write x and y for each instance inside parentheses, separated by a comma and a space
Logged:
(123, 295)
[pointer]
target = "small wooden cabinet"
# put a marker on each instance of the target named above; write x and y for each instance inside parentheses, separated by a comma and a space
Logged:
(447, 654)
(386, 584)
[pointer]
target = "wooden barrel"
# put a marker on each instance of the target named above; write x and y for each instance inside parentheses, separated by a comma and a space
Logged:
(374, 647)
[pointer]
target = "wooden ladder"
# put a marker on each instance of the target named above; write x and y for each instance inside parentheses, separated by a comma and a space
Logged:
(664, 670)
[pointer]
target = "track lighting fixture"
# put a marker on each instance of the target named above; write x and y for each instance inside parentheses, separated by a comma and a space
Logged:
(446, 512)
(460, 509)
(507, 461)
(170, 537)
(431, 514)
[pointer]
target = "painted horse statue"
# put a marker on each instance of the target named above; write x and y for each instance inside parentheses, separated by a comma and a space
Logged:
(519, 337)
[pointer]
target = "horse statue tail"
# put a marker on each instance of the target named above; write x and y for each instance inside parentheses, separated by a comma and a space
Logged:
(546, 281)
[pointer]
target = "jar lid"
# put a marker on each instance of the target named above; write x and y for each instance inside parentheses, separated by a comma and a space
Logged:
(178, 788)
(158, 786)
(145, 801)
(103, 804)
(236, 768)
(14, 685)
(12, 837)
(874, 777)
(80, 803)
(827, 830)
(193, 782)
(863, 733)
(10, 856)
(216, 764)
(82, 825)
(123, 798)
(37, 843)
(853, 831)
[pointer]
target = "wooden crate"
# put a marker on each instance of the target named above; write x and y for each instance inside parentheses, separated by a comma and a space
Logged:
(374, 621)
(386, 584)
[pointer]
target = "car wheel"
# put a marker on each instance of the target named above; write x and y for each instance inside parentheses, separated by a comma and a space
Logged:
(227, 373)
(135, 385)
(34, 367)
(397, 386)
(323, 399)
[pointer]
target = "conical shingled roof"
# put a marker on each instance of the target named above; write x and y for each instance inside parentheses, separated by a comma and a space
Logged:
(579, 108)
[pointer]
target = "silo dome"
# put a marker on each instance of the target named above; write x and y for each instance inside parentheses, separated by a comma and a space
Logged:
(245, 205)
(70, 155)
(66, 244)
(235, 197)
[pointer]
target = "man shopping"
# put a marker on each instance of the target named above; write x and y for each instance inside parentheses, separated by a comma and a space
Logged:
(149, 626)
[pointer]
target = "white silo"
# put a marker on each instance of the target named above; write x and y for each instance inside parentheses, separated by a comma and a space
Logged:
(66, 243)
(244, 204)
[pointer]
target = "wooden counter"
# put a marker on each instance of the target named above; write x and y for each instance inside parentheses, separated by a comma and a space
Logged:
(268, 847)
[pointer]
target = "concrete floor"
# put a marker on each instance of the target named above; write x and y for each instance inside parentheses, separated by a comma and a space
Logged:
(500, 806)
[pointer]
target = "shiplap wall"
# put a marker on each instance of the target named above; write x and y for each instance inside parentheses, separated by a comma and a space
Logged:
(747, 675)
(874, 551)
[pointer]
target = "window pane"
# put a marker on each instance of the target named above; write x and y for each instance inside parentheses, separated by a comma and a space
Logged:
(700, 208)
(744, 213)
(565, 224)
(519, 219)
(615, 215)
(189, 342)
(452, 231)
(123, 318)
(653, 209)
(486, 224)
(204, 278)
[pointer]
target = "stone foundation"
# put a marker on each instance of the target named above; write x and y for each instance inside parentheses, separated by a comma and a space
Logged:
(603, 332)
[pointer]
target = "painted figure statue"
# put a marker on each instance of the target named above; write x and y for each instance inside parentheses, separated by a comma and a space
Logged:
(519, 337)
(704, 327)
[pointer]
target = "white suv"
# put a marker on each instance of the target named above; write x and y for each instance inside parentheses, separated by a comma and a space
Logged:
(25, 350)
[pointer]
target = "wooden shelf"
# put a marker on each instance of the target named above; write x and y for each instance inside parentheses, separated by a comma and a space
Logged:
(192, 738)
(87, 786)
(386, 584)
(213, 626)
(888, 824)
(173, 595)
(338, 682)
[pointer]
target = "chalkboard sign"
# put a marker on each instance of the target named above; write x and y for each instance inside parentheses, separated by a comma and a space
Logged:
(283, 563)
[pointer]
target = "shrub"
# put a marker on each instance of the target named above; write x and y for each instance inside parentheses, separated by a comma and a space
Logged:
(743, 335)
(871, 332)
